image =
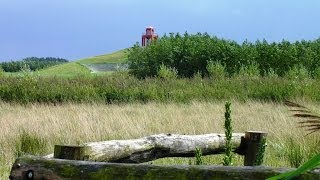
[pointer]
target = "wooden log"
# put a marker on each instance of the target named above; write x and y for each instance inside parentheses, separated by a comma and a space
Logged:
(31, 167)
(253, 141)
(154, 147)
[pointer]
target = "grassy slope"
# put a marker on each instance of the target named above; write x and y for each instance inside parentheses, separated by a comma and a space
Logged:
(75, 68)
(67, 69)
(115, 57)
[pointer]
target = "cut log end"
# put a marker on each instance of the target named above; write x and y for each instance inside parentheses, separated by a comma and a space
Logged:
(71, 152)
(253, 141)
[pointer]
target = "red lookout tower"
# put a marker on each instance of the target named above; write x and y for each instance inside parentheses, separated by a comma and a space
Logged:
(149, 36)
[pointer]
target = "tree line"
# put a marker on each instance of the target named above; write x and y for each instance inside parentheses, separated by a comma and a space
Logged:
(31, 63)
(189, 54)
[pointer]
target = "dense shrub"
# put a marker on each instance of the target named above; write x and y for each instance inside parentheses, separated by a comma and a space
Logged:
(190, 54)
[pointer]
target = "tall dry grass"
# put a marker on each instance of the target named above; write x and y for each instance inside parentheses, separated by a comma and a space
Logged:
(36, 128)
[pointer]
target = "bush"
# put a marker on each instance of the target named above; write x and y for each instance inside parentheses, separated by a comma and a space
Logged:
(297, 73)
(197, 76)
(25, 68)
(167, 73)
(251, 71)
(216, 70)
(271, 74)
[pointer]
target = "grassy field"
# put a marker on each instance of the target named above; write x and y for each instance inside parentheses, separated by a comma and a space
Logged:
(115, 57)
(66, 70)
(121, 88)
(78, 67)
(35, 128)
(70, 69)
(122, 107)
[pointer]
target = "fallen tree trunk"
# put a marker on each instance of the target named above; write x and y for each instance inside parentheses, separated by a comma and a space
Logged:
(148, 148)
(32, 167)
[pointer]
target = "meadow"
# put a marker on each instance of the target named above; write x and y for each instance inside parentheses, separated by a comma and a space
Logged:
(122, 88)
(36, 128)
(115, 57)
(177, 85)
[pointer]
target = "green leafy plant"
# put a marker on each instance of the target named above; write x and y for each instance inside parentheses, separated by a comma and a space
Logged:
(316, 73)
(261, 151)
(167, 73)
(271, 73)
(216, 70)
(197, 76)
(25, 68)
(227, 160)
(250, 71)
(198, 156)
(298, 72)
(309, 165)
(311, 121)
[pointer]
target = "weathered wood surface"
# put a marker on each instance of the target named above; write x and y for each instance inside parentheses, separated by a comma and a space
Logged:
(253, 141)
(33, 167)
(153, 147)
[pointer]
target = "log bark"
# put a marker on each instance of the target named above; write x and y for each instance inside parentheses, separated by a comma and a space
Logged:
(156, 146)
(32, 167)
(253, 142)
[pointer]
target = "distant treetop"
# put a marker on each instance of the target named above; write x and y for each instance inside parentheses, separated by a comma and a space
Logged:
(34, 63)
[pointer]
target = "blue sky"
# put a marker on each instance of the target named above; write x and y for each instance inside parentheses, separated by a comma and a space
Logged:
(76, 29)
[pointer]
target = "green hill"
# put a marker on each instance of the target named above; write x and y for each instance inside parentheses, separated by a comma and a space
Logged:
(115, 57)
(86, 66)
(67, 69)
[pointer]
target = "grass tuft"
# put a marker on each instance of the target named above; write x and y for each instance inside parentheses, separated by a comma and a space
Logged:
(28, 143)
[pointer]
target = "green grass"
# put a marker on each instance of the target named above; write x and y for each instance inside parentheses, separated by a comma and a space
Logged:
(65, 70)
(73, 69)
(76, 68)
(122, 88)
(70, 69)
(115, 57)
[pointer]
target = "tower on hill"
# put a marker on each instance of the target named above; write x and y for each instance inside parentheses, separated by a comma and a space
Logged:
(149, 36)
